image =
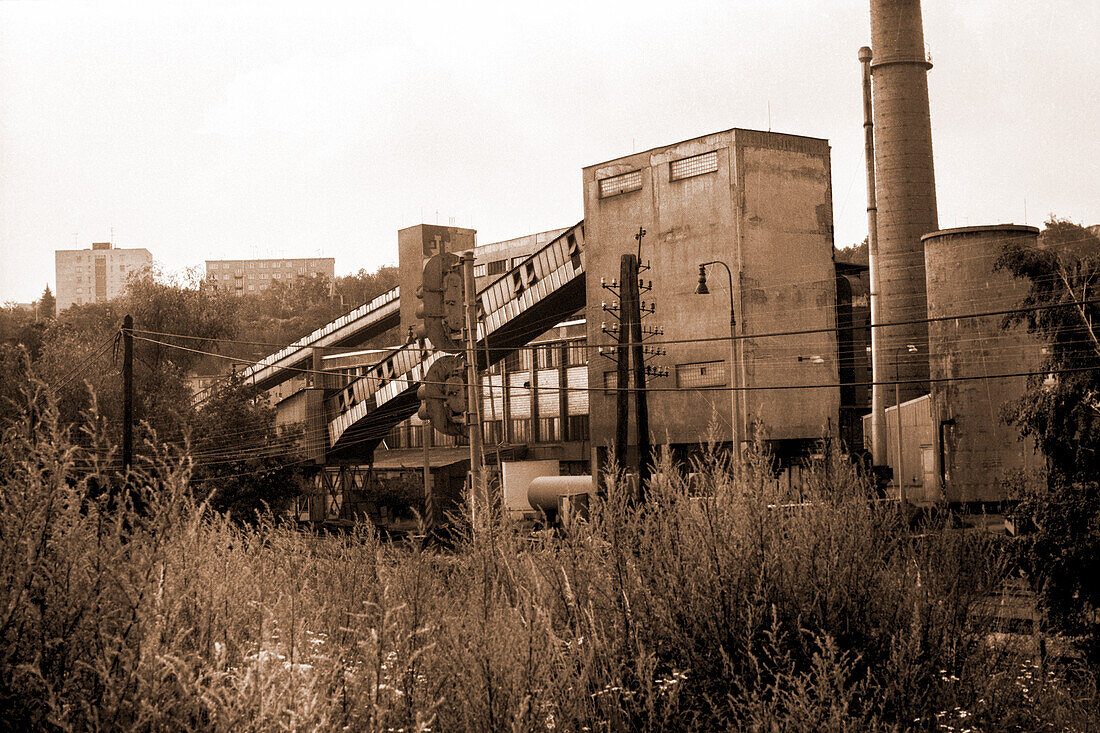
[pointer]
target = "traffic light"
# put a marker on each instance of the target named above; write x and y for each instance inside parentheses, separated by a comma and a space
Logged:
(441, 309)
(442, 395)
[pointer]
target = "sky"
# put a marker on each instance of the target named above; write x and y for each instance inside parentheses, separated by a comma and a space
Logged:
(231, 130)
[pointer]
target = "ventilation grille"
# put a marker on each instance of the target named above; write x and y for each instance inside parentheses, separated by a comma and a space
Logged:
(701, 374)
(624, 183)
(696, 165)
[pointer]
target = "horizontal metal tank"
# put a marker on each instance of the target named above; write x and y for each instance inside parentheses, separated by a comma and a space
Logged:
(975, 449)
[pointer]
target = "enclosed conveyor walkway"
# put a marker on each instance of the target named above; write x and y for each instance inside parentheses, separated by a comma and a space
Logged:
(533, 296)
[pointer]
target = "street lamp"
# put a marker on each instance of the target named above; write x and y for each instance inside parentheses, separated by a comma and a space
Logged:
(704, 290)
(897, 406)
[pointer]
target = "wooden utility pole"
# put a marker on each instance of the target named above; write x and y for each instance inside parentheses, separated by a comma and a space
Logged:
(127, 392)
(473, 387)
(637, 359)
(631, 360)
(628, 269)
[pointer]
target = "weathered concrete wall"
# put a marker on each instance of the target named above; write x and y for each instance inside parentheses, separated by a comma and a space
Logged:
(416, 244)
(914, 460)
(905, 184)
(304, 410)
(979, 449)
(764, 208)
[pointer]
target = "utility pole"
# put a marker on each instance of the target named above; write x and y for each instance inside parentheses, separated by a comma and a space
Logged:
(473, 386)
(878, 396)
(127, 392)
(632, 309)
(628, 268)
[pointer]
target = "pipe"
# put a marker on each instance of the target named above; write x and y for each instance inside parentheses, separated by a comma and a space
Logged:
(878, 398)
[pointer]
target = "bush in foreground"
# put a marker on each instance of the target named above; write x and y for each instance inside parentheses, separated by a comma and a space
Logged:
(726, 611)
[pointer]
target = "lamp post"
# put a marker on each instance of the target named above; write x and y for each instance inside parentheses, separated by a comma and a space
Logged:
(897, 406)
(735, 436)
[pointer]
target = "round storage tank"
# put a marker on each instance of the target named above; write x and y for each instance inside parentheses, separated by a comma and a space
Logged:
(976, 449)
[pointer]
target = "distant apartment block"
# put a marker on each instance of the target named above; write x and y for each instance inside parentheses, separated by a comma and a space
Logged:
(252, 276)
(96, 274)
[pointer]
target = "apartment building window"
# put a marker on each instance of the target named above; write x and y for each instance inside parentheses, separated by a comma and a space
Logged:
(696, 165)
(623, 183)
(701, 374)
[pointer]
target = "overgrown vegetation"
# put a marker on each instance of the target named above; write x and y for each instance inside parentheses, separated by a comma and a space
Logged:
(1062, 415)
(725, 611)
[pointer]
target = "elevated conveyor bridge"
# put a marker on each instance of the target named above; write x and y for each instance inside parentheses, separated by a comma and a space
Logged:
(351, 329)
(532, 297)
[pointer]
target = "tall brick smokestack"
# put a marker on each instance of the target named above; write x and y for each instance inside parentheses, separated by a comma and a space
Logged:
(905, 187)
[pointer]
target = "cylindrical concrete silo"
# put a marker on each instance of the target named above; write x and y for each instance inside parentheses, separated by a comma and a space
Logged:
(905, 189)
(976, 449)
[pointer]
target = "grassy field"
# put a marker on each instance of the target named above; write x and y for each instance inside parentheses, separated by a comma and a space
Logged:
(716, 614)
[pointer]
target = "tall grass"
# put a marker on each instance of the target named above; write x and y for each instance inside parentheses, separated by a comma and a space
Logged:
(713, 607)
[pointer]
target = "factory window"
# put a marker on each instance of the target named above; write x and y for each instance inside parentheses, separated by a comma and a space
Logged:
(578, 428)
(549, 356)
(576, 354)
(701, 374)
(498, 267)
(696, 165)
(623, 183)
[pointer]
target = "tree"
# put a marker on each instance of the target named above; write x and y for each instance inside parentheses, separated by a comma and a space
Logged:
(47, 304)
(856, 254)
(1063, 416)
(243, 462)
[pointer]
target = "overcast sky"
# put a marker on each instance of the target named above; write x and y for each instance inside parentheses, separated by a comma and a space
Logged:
(200, 131)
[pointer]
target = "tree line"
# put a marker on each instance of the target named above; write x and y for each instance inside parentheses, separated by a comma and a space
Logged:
(73, 359)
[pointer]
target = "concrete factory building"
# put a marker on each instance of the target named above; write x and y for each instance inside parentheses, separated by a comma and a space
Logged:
(251, 276)
(759, 204)
(96, 274)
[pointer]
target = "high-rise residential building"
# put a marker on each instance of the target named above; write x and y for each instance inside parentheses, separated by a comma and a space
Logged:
(96, 274)
(252, 276)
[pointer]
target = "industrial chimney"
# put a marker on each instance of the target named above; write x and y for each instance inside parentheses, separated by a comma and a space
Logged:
(905, 189)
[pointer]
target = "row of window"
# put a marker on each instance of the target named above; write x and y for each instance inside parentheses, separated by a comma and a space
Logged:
(547, 356)
(265, 276)
(678, 170)
(253, 264)
(411, 435)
